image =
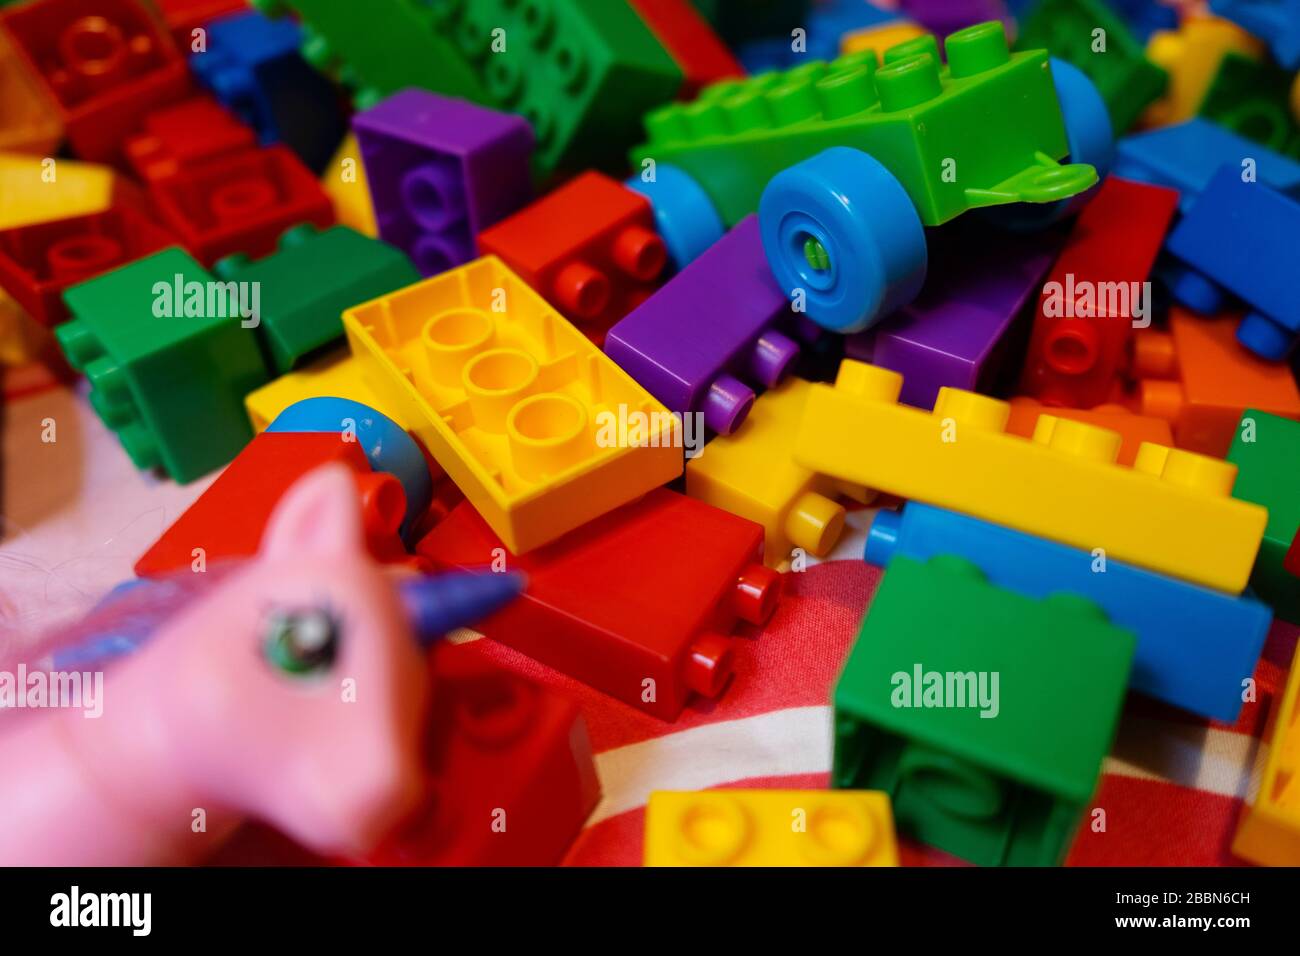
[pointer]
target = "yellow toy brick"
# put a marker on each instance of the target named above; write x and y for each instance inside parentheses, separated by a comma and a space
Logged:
(337, 375)
(770, 828)
(1171, 512)
(880, 38)
(37, 189)
(539, 429)
(751, 473)
(1191, 55)
(1269, 831)
(344, 181)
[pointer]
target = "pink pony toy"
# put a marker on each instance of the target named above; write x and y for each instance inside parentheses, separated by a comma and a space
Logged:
(291, 689)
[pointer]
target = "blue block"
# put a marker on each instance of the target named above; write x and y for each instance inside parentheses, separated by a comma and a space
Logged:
(684, 215)
(252, 65)
(1186, 157)
(1277, 22)
(826, 26)
(1145, 17)
(1241, 236)
(1195, 645)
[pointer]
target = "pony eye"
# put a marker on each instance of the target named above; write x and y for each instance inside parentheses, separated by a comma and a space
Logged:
(302, 641)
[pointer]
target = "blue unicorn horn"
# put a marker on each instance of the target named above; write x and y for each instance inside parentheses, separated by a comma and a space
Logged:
(438, 605)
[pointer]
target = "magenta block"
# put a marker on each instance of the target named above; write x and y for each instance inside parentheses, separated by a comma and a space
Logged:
(441, 171)
(712, 333)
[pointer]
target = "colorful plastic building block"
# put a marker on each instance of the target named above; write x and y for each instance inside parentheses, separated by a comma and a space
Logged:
(106, 62)
(172, 388)
(690, 41)
(308, 282)
(183, 136)
(881, 37)
(947, 16)
(1134, 430)
(509, 773)
(1277, 21)
(344, 181)
(336, 374)
(1097, 294)
(38, 262)
(693, 368)
(822, 27)
(589, 247)
(1199, 378)
(769, 828)
(183, 17)
(1269, 830)
(518, 407)
(1253, 99)
(35, 189)
(637, 603)
(441, 171)
(684, 216)
(30, 121)
(1195, 646)
(240, 202)
(251, 64)
(1191, 55)
(1231, 240)
(1171, 512)
(1089, 35)
(1265, 451)
(750, 473)
(1145, 17)
(983, 714)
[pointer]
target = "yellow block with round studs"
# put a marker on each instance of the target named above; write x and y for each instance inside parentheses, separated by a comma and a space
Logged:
(770, 828)
(1172, 512)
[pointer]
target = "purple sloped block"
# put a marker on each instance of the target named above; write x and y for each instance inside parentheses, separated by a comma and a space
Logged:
(942, 17)
(441, 171)
(705, 338)
(956, 331)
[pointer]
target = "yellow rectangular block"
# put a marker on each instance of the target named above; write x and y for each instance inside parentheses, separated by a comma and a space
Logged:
(751, 473)
(1269, 831)
(1192, 55)
(880, 38)
(37, 189)
(344, 181)
(337, 375)
(770, 828)
(1171, 512)
(515, 403)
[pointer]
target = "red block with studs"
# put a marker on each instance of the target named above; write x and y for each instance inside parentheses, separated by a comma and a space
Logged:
(180, 137)
(227, 520)
(1079, 351)
(38, 262)
(639, 603)
(241, 203)
(702, 57)
(106, 62)
(589, 248)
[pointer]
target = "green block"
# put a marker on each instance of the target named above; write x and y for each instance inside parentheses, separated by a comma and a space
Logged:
(982, 131)
(1004, 789)
(1266, 451)
(1253, 100)
(305, 286)
(171, 387)
(1068, 29)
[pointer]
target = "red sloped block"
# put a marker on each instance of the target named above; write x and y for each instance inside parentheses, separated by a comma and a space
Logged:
(181, 137)
(690, 41)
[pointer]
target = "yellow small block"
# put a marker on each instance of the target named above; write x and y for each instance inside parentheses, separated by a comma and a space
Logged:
(1269, 831)
(751, 473)
(344, 181)
(770, 828)
(1171, 512)
(519, 408)
(337, 375)
(38, 189)
(1192, 54)
(880, 38)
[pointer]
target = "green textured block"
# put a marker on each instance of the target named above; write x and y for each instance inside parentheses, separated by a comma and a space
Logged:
(1008, 788)
(982, 131)
(171, 387)
(1127, 80)
(1253, 100)
(1266, 451)
(305, 286)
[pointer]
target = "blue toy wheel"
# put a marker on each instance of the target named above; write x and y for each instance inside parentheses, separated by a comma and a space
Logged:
(684, 215)
(840, 232)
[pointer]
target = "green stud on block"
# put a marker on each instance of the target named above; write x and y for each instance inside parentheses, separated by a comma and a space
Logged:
(1266, 451)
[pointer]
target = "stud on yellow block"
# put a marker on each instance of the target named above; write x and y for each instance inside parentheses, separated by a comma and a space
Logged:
(344, 181)
(1269, 831)
(523, 412)
(1172, 512)
(1192, 55)
(37, 189)
(770, 828)
(752, 474)
(337, 375)
(880, 38)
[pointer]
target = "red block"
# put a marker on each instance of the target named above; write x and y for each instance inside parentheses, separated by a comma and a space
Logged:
(1078, 354)
(589, 248)
(241, 203)
(638, 603)
(107, 62)
(182, 16)
(1292, 560)
(511, 775)
(227, 520)
(38, 262)
(702, 57)
(183, 136)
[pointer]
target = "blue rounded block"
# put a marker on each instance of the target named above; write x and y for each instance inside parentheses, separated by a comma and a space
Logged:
(684, 215)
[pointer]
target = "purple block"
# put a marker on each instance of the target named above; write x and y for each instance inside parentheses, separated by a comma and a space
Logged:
(942, 17)
(955, 332)
(713, 328)
(440, 172)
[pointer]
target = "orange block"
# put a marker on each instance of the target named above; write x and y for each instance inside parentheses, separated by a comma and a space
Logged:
(1199, 379)
(1133, 428)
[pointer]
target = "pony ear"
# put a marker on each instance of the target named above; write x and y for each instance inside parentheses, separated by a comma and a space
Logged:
(319, 515)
